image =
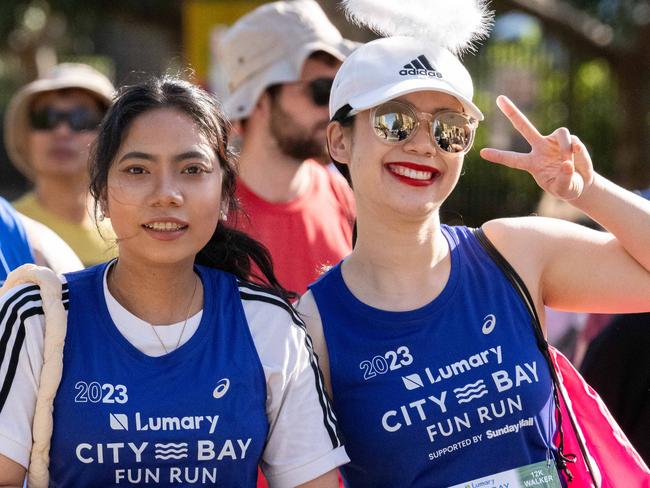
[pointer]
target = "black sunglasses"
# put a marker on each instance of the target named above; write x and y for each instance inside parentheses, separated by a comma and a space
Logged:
(78, 119)
(319, 90)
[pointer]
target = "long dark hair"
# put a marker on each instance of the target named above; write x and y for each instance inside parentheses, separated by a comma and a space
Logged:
(228, 249)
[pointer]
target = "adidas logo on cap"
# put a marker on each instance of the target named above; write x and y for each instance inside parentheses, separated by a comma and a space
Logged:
(420, 66)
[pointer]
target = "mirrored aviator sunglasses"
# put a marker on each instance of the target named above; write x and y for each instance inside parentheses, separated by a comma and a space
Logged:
(396, 122)
(78, 119)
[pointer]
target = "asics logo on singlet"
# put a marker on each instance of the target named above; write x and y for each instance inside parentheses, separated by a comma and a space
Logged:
(489, 322)
(420, 66)
(222, 388)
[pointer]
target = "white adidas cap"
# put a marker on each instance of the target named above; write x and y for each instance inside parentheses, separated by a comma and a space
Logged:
(390, 67)
(270, 45)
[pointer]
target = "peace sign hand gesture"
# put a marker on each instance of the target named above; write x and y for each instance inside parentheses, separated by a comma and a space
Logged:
(559, 162)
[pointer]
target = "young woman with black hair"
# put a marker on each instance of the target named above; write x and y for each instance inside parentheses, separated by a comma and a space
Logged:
(437, 375)
(177, 369)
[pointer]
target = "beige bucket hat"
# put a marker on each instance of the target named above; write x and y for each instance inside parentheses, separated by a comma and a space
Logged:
(270, 45)
(62, 76)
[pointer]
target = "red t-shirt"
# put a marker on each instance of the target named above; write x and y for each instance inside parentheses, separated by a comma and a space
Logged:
(306, 234)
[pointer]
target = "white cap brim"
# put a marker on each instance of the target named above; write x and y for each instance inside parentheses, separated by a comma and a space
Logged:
(394, 90)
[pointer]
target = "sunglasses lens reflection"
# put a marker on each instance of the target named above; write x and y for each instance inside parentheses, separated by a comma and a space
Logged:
(394, 123)
(452, 132)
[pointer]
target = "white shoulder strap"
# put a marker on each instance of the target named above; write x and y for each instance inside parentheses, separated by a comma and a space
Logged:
(56, 323)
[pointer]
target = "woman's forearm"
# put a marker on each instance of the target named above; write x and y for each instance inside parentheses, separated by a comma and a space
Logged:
(622, 213)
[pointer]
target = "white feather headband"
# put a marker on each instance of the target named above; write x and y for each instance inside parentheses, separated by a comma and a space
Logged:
(453, 24)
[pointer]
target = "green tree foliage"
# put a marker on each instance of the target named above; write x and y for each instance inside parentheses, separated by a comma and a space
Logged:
(586, 66)
(589, 70)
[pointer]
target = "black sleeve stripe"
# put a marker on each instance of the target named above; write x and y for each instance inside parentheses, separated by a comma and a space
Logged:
(13, 365)
(257, 287)
(272, 298)
(24, 304)
(279, 302)
(7, 322)
(7, 319)
(329, 419)
(15, 352)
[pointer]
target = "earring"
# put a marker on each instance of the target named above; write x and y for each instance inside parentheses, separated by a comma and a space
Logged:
(101, 216)
(223, 216)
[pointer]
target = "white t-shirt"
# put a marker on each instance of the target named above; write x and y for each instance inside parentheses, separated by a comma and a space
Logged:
(298, 446)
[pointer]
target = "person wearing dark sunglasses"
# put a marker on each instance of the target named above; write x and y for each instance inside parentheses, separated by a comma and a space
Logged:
(279, 62)
(298, 115)
(49, 127)
(424, 332)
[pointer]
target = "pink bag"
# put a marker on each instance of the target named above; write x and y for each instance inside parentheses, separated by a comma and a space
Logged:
(600, 456)
(607, 459)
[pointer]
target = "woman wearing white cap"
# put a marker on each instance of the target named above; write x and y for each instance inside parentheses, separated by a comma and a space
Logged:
(426, 347)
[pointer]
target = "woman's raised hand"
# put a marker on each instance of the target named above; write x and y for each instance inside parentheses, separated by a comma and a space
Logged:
(559, 162)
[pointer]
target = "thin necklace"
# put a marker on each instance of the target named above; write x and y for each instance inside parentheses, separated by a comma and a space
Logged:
(187, 316)
(111, 276)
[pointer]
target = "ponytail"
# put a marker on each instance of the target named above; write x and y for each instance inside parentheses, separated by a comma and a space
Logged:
(236, 252)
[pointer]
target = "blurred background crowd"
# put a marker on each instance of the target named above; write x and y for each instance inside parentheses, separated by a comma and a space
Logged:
(579, 63)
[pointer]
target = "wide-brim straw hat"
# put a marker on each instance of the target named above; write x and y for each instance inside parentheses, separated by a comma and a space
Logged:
(61, 77)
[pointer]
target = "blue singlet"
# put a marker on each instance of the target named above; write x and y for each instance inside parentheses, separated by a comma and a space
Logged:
(446, 394)
(193, 417)
(14, 247)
